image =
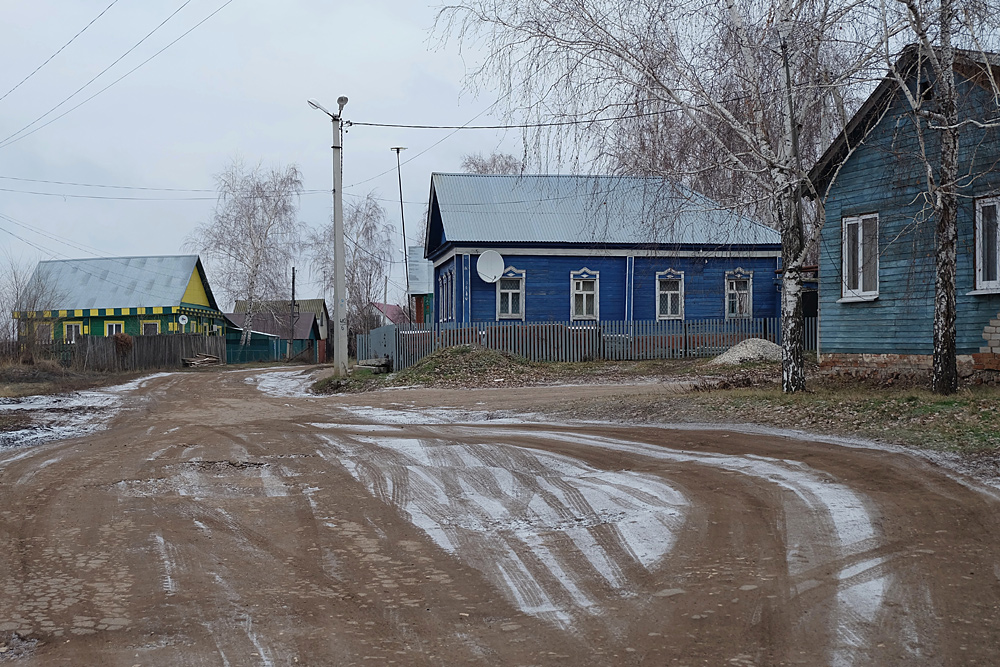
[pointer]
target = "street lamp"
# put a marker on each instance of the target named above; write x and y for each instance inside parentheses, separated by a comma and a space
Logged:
(339, 287)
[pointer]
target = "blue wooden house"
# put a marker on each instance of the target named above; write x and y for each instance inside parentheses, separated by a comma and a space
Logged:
(593, 248)
(877, 266)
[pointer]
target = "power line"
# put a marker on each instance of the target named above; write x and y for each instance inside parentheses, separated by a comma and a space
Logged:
(98, 75)
(95, 185)
(521, 126)
(71, 195)
(434, 145)
(8, 141)
(47, 60)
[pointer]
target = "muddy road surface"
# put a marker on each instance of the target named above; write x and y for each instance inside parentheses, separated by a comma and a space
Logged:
(232, 519)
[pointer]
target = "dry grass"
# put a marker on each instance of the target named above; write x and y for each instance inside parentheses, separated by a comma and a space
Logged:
(894, 411)
(48, 377)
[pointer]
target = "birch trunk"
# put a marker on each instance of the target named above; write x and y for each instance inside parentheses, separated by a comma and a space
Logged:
(944, 379)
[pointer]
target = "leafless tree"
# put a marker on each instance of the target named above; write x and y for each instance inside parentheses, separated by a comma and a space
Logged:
(494, 163)
(253, 235)
(26, 290)
(936, 62)
(368, 255)
(731, 98)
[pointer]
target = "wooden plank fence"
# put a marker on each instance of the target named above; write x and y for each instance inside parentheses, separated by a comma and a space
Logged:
(406, 344)
(99, 353)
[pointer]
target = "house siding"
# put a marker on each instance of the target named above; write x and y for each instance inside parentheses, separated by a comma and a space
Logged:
(885, 176)
(547, 285)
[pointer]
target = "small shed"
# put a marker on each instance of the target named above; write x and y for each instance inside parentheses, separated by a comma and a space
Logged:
(301, 342)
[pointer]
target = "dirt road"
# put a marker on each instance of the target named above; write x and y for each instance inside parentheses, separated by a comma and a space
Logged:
(231, 519)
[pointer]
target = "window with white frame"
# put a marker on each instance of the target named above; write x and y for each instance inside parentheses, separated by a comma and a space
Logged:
(446, 291)
(72, 331)
(987, 244)
(112, 328)
(510, 295)
(739, 294)
(670, 295)
(860, 256)
(584, 295)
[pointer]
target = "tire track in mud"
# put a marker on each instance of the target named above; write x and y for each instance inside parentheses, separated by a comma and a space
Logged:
(746, 549)
(837, 563)
(514, 513)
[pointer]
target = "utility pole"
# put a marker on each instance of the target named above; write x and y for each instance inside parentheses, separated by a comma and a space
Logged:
(291, 318)
(340, 282)
(402, 222)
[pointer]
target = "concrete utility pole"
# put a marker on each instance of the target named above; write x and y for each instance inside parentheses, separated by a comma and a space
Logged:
(402, 222)
(340, 281)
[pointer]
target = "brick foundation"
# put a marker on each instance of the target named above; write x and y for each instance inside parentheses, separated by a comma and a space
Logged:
(884, 365)
(988, 358)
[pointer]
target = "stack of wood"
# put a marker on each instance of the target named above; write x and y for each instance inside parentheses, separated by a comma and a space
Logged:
(202, 359)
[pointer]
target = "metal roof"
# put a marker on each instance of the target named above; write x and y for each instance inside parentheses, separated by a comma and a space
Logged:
(277, 324)
(585, 210)
(117, 282)
(317, 306)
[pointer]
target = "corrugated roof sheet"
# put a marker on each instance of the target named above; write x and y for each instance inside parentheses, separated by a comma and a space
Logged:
(586, 209)
(117, 282)
(317, 306)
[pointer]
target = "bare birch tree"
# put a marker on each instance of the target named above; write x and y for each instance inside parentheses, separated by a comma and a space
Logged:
(253, 235)
(934, 62)
(368, 255)
(494, 163)
(26, 290)
(732, 98)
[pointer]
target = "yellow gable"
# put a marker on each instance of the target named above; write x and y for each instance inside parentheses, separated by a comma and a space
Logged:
(195, 292)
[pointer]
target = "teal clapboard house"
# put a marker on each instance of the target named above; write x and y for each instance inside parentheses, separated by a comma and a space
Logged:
(139, 296)
(877, 257)
(593, 248)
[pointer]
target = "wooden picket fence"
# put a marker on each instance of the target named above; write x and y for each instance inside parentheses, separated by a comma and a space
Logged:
(406, 344)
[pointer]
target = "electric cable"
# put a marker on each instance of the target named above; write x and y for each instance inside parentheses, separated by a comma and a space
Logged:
(61, 48)
(10, 139)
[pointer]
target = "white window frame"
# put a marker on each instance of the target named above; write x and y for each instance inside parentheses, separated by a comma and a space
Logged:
(864, 254)
(510, 273)
(670, 274)
(446, 290)
(739, 273)
(982, 284)
(116, 323)
(70, 326)
(588, 275)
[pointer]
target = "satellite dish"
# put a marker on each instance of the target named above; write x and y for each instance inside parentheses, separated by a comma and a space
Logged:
(183, 319)
(490, 266)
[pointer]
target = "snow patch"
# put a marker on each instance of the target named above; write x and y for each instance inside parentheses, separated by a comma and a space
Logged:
(522, 517)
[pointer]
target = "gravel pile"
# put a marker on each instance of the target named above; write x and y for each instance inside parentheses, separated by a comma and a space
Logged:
(752, 349)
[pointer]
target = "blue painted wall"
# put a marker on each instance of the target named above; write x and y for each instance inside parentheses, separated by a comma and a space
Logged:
(547, 286)
(705, 285)
(885, 176)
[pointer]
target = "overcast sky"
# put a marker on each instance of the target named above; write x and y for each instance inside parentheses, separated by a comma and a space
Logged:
(235, 85)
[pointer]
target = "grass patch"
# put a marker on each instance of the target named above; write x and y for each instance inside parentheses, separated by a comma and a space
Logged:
(967, 423)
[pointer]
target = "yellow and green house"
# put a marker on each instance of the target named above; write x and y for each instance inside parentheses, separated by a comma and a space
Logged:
(140, 296)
